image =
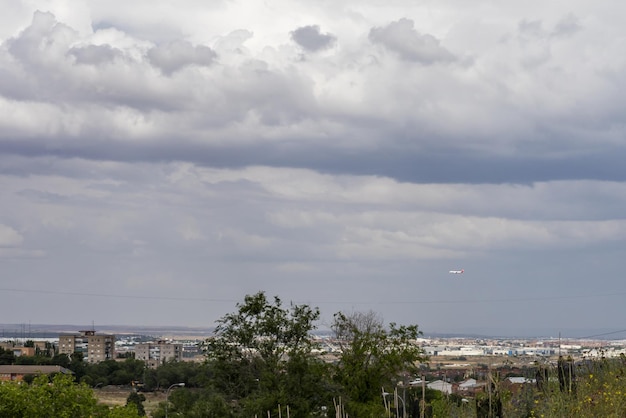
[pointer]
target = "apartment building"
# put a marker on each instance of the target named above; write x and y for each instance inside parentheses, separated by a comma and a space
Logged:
(157, 353)
(94, 347)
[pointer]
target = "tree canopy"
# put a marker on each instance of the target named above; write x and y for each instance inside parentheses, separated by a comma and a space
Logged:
(372, 357)
(262, 355)
(59, 397)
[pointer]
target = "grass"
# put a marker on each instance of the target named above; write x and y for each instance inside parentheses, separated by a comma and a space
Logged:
(112, 396)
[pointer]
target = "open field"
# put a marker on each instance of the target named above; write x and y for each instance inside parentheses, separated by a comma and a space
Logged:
(114, 396)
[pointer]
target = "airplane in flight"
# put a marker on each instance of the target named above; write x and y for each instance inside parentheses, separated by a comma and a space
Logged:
(456, 271)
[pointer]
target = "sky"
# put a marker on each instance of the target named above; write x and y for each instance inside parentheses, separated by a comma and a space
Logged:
(161, 160)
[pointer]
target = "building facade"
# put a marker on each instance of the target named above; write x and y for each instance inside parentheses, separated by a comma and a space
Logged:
(94, 347)
(157, 353)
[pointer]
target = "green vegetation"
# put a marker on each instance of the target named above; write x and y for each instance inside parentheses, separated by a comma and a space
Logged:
(262, 359)
(597, 390)
(59, 397)
(586, 390)
(372, 357)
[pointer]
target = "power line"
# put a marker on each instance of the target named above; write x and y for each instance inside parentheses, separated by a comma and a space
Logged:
(603, 334)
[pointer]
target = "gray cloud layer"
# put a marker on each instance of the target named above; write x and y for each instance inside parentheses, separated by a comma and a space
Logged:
(212, 150)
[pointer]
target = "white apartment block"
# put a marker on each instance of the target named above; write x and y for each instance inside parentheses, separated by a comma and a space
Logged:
(157, 353)
(94, 347)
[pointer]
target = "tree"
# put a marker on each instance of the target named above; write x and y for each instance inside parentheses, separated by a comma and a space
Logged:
(6, 356)
(372, 358)
(61, 360)
(258, 352)
(58, 397)
(77, 365)
(195, 404)
(137, 400)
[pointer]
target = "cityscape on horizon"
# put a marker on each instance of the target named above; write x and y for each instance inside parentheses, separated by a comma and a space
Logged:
(33, 331)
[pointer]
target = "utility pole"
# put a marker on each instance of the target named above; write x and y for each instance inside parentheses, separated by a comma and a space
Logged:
(423, 406)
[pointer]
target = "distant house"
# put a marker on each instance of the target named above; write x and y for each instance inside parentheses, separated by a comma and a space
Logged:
(518, 380)
(470, 387)
(17, 372)
(18, 351)
(441, 386)
(515, 383)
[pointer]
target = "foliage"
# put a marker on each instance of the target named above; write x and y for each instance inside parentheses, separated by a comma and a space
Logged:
(261, 357)
(78, 365)
(111, 372)
(60, 397)
(194, 404)
(137, 400)
(6, 356)
(372, 357)
(600, 392)
(193, 375)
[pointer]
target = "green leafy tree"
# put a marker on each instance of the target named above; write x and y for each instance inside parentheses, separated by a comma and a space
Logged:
(260, 351)
(58, 397)
(26, 360)
(111, 372)
(77, 365)
(137, 399)
(6, 357)
(195, 404)
(61, 360)
(193, 375)
(210, 406)
(372, 357)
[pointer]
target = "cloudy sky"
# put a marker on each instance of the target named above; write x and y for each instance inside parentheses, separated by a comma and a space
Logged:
(160, 160)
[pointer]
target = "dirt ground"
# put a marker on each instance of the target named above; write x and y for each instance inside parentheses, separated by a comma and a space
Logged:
(114, 396)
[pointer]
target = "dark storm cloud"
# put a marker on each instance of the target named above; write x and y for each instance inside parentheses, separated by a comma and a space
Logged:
(311, 39)
(173, 56)
(281, 103)
(402, 38)
(425, 166)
